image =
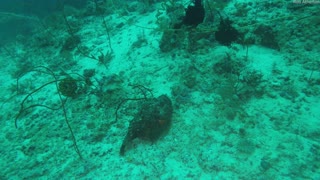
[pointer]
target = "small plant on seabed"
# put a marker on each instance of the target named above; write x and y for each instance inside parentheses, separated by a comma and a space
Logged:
(74, 41)
(68, 87)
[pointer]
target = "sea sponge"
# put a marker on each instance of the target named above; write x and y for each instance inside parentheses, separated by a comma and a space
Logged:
(68, 87)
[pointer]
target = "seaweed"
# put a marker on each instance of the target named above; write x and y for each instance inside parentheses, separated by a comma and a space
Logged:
(63, 88)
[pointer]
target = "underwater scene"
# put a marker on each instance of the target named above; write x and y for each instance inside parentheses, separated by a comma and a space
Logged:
(160, 89)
